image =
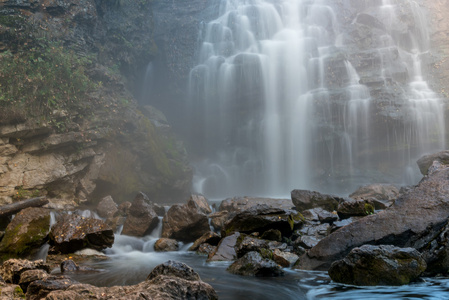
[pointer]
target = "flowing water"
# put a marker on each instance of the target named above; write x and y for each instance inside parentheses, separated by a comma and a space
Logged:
(277, 103)
(132, 259)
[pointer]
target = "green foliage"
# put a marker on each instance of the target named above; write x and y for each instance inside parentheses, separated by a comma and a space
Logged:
(22, 194)
(42, 79)
(369, 209)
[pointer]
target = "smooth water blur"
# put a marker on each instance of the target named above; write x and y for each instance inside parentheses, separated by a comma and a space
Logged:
(132, 259)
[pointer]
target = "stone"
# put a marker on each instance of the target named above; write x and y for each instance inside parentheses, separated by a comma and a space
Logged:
(206, 249)
(425, 162)
(210, 238)
(141, 219)
(159, 209)
(415, 220)
(74, 232)
(106, 208)
(164, 245)
(320, 215)
(39, 289)
(372, 265)
(260, 218)
(29, 276)
(201, 203)
(382, 195)
(226, 249)
(26, 232)
(284, 259)
(249, 244)
(184, 223)
(237, 204)
(353, 208)
(174, 269)
(253, 264)
(12, 269)
(304, 199)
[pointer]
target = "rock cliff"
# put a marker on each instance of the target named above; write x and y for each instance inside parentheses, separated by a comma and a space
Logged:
(70, 127)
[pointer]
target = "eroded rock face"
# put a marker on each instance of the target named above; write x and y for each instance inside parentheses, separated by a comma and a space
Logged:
(415, 220)
(26, 232)
(378, 265)
(73, 232)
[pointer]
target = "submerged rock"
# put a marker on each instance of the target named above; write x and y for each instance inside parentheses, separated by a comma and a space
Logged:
(378, 265)
(73, 232)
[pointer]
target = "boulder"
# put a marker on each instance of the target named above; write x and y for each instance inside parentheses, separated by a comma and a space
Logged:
(304, 199)
(159, 209)
(206, 249)
(226, 249)
(382, 195)
(184, 223)
(141, 219)
(378, 265)
(174, 269)
(426, 161)
(201, 203)
(351, 208)
(26, 232)
(260, 218)
(106, 208)
(74, 232)
(164, 245)
(311, 233)
(12, 269)
(69, 266)
(253, 264)
(210, 238)
(415, 220)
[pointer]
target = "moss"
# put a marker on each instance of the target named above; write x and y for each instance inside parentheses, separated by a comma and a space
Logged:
(294, 219)
(18, 292)
(369, 209)
(15, 242)
(266, 253)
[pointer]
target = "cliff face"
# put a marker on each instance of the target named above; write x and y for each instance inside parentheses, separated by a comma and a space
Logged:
(69, 124)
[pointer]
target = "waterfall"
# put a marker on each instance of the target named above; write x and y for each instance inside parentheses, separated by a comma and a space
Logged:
(277, 103)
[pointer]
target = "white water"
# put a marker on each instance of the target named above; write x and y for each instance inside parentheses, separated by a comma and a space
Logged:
(276, 105)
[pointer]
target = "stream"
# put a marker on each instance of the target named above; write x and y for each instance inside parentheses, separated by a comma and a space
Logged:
(132, 259)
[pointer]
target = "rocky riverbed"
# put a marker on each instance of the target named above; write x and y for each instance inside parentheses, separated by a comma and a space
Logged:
(381, 235)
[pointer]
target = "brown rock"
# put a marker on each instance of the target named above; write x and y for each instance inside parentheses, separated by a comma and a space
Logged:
(73, 232)
(201, 203)
(184, 223)
(106, 208)
(218, 219)
(226, 249)
(304, 199)
(210, 238)
(164, 245)
(142, 219)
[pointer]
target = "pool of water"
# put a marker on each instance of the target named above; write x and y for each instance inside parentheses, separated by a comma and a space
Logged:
(132, 259)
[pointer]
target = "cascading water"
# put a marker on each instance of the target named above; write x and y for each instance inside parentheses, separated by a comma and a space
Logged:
(277, 102)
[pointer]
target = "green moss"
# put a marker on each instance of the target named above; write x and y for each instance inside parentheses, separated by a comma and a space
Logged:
(294, 219)
(266, 253)
(18, 292)
(369, 209)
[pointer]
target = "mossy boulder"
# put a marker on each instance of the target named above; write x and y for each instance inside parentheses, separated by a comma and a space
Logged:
(253, 264)
(26, 232)
(378, 265)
